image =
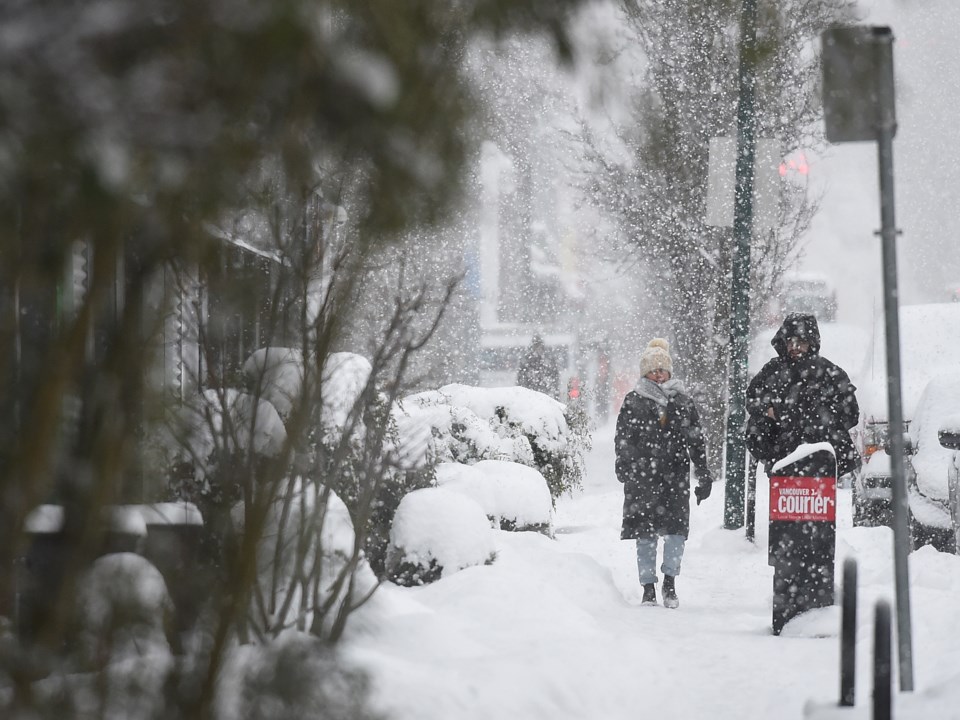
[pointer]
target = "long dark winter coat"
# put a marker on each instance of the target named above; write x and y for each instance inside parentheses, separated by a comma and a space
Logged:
(654, 450)
(813, 400)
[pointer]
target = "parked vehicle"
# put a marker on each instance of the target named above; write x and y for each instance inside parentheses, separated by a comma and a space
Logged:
(809, 293)
(872, 492)
(949, 436)
(928, 465)
(930, 346)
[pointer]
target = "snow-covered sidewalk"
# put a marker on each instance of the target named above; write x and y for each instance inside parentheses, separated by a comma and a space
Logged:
(554, 629)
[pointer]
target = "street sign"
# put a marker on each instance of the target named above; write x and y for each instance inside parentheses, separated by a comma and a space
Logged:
(857, 82)
(721, 183)
(858, 103)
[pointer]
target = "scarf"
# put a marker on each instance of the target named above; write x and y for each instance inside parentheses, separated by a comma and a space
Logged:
(661, 394)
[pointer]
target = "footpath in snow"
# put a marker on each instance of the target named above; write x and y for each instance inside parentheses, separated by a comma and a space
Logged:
(554, 628)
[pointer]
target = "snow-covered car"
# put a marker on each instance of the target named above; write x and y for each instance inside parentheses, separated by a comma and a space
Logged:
(809, 293)
(949, 436)
(930, 338)
(928, 465)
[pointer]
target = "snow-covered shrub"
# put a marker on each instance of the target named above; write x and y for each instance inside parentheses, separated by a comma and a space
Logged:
(471, 424)
(437, 532)
(216, 449)
(513, 496)
(459, 435)
(276, 374)
(310, 571)
(206, 440)
(352, 443)
(296, 677)
(123, 611)
(221, 422)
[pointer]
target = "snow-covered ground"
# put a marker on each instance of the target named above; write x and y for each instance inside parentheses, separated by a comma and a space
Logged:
(554, 628)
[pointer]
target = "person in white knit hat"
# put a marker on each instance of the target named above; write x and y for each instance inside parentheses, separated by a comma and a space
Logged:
(658, 436)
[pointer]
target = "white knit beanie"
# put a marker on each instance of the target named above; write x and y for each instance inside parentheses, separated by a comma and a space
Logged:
(656, 357)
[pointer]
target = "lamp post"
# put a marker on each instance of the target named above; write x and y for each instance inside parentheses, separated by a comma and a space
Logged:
(736, 453)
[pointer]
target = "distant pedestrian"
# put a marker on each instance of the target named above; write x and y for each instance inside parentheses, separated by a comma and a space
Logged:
(538, 370)
(801, 397)
(658, 436)
(603, 384)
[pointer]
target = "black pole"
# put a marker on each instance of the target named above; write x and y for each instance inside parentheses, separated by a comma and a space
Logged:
(736, 457)
(848, 634)
(882, 672)
(752, 500)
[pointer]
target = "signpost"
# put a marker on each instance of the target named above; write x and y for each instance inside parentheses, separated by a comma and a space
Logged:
(858, 101)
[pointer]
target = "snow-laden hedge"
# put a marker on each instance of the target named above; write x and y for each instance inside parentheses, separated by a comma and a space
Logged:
(437, 532)
(470, 424)
(513, 496)
(308, 576)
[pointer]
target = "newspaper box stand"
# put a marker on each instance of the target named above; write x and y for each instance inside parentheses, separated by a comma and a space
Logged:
(803, 528)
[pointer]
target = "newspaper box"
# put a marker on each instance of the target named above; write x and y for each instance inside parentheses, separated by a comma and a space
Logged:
(803, 524)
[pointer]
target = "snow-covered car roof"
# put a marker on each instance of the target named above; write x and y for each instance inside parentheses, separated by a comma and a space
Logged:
(929, 346)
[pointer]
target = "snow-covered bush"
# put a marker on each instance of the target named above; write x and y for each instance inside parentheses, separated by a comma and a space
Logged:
(471, 424)
(458, 434)
(437, 532)
(513, 496)
(206, 441)
(276, 374)
(123, 611)
(219, 423)
(294, 676)
(310, 573)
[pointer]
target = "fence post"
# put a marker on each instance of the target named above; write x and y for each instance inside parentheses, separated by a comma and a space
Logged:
(848, 634)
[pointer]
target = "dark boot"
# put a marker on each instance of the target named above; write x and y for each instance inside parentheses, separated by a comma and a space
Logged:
(649, 594)
(669, 592)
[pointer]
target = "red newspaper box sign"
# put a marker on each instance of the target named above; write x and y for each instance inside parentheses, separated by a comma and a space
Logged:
(799, 499)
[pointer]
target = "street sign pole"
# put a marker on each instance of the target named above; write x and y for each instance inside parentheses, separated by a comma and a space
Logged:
(736, 452)
(858, 95)
(901, 530)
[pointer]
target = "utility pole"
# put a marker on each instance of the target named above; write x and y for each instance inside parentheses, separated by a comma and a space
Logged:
(736, 452)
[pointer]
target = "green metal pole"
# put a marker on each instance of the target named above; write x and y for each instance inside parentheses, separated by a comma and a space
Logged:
(736, 455)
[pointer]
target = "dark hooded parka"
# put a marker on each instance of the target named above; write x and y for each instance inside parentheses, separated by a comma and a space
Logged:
(655, 445)
(813, 400)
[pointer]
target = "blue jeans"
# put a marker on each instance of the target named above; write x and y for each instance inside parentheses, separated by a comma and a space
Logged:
(647, 557)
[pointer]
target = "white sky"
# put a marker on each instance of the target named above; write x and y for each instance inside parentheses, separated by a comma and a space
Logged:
(554, 629)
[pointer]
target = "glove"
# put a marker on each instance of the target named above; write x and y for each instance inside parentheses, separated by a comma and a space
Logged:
(702, 490)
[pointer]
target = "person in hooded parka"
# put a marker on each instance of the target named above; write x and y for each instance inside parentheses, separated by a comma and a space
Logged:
(658, 435)
(801, 397)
